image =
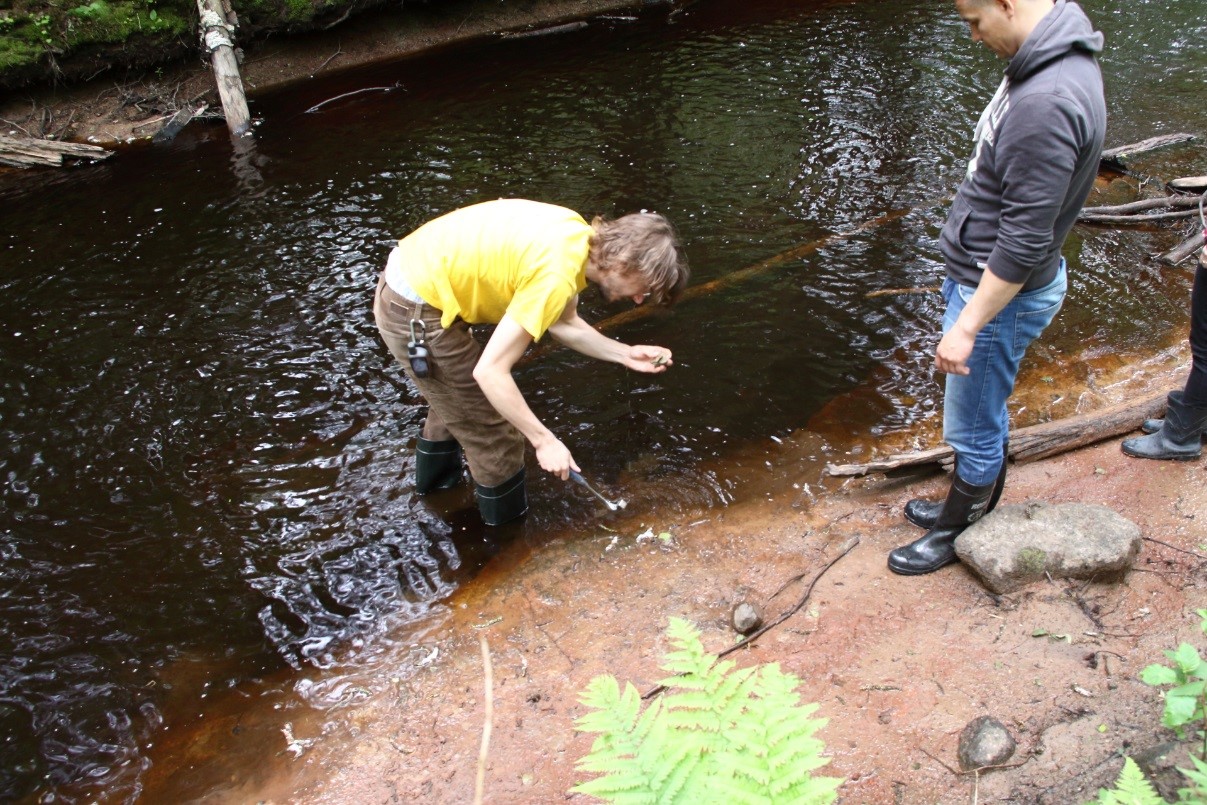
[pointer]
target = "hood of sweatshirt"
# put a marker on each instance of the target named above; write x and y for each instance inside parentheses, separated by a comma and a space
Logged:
(1064, 28)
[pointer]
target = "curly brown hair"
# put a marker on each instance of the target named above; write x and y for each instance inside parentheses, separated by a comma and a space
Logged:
(644, 242)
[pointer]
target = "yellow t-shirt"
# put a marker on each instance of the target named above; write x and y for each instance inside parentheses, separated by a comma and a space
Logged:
(522, 258)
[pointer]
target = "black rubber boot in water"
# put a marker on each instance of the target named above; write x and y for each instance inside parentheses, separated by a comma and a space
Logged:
(923, 513)
(437, 465)
(1180, 436)
(505, 502)
(965, 505)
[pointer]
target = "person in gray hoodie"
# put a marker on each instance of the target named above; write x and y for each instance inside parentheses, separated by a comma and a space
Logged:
(1037, 147)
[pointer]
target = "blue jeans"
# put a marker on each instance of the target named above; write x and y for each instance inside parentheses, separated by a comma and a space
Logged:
(975, 420)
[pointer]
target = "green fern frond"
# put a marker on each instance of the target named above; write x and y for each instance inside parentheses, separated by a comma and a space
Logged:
(1132, 788)
(608, 707)
(1196, 794)
(812, 791)
(718, 735)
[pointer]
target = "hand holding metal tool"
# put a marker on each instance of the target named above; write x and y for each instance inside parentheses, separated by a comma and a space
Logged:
(612, 506)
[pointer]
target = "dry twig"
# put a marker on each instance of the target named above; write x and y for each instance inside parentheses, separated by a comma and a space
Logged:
(338, 51)
(480, 785)
(1176, 548)
(16, 125)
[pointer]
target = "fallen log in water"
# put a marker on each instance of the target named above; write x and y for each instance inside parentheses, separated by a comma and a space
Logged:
(29, 153)
(1037, 441)
(1115, 157)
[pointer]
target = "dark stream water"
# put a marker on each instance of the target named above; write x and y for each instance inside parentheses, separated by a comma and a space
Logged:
(205, 450)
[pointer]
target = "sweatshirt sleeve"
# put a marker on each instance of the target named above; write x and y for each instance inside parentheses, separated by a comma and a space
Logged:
(1037, 149)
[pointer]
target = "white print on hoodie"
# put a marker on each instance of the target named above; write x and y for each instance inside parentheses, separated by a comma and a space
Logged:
(987, 125)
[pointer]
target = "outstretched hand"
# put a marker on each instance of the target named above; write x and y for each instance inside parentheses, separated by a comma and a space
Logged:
(650, 359)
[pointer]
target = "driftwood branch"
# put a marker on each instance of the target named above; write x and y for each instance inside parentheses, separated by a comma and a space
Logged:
(763, 266)
(320, 105)
(551, 30)
(1117, 156)
(1183, 250)
(1037, 441)
(23, 153)
(846, 548)
(902, 291)
(1136, 219)
(1176, 202)
(338, 51)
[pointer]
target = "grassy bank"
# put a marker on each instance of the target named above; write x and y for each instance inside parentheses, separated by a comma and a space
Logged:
(66, 41)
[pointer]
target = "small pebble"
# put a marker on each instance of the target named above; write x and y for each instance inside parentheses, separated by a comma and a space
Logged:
(746, 618)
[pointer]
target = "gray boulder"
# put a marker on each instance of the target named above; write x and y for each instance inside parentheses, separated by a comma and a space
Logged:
(1019, 544)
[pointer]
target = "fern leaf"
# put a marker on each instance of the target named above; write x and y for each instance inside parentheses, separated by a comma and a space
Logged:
(610, 711)
(719, 735)
(733, 694)
(1132, 788)
(814, 791)
(616, 789)
(670, 763)
(621, 733)
(677, 785)
(1196, 794)
(688, 656)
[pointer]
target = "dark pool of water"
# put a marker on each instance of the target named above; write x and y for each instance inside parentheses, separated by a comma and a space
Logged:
(205, 450)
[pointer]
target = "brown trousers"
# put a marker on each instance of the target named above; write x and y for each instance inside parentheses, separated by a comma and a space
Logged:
(457, 408)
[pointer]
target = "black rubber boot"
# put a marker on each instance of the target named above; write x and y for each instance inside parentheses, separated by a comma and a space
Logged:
(1180, 436)
(1155, 425)
(505, 502)
(437, 465)
(923, 513)
(965, 505)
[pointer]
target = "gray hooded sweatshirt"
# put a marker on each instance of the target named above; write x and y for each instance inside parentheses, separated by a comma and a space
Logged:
(1037, 149)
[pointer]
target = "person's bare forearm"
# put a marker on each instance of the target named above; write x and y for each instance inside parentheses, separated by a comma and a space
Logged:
(504, 395)
(493, 376)
(585, 339)
(581, 337)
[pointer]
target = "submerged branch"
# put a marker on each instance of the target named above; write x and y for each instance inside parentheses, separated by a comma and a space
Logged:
(319, 106)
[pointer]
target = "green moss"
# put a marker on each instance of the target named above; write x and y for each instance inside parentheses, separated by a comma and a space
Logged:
(102, 22)
(79, 38)
(1031, 561)
(17, 54)
(299, 10)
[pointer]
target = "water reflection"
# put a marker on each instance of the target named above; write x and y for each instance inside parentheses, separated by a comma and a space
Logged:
(205, 451)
